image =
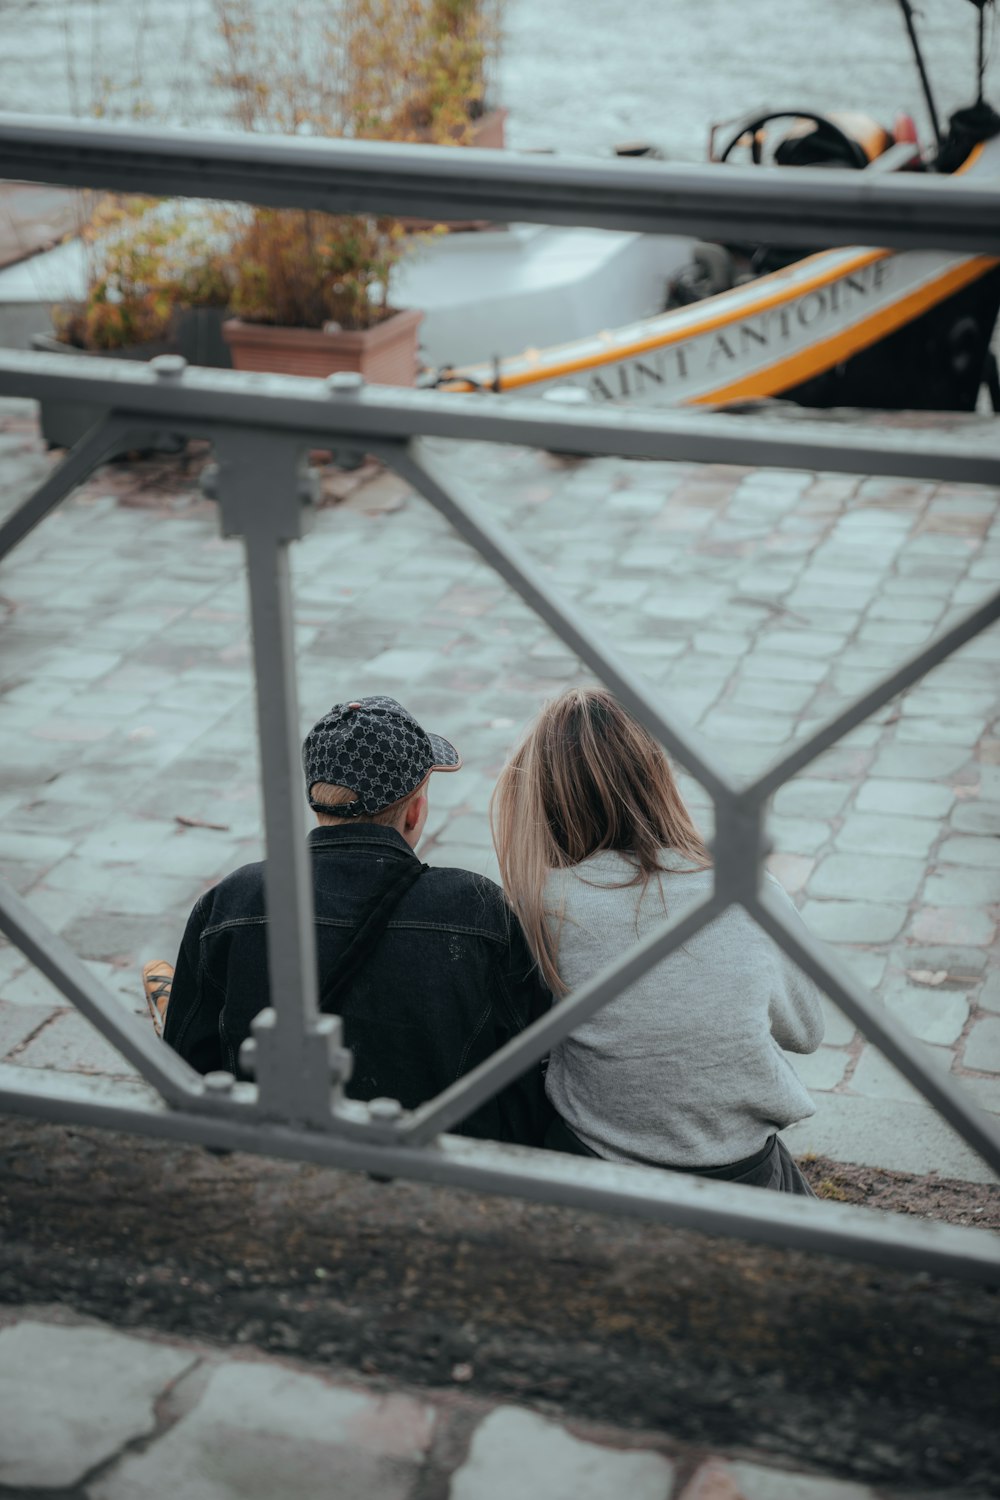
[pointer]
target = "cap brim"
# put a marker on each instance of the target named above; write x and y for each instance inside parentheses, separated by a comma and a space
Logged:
(446, 757)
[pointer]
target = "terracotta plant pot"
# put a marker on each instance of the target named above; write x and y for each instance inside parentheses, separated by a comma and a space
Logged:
(384, 355)
(488, 132)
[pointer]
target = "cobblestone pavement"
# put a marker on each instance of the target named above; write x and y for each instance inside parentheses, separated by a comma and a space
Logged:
(756, 603)
(152, 1417)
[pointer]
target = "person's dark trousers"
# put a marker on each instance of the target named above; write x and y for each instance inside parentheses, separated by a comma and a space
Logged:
(772, 1167)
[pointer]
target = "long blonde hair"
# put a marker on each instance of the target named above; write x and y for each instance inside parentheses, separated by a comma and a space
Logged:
(586, 777)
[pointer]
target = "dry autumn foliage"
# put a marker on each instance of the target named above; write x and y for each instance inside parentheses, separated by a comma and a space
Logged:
(408, 70)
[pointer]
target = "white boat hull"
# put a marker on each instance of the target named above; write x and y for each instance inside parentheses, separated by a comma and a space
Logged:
(760, 339)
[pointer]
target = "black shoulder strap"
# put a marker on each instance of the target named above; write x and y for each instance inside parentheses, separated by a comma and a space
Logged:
(375, 919)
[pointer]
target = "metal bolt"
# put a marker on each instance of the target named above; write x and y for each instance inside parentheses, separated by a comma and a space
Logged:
(167, 366)
(345, 382)
(219, 1082)
(248, 1055)
(384, 1110)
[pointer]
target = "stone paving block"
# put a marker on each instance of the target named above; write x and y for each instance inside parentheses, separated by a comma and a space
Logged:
(985, 1091)
(729, 644)
(902, 633)
(953, 924)
(989, 996)
(982, 1046)
(648, 558)
(930, 1012)
(798, 835)
(665, 602)
(842, 600)
(18, 1022)
(854, 921)
(823, 1069)
(790, 870)
(924, 701)
(879, 877)
(70, 1044)
(38, 851)
(913, 799)
(965, 732)
(871, 833)
(811, 797)
(876, 1078)
(636, 502)
(960, 966)
(260, 1432)
(911, 1137)
(838, 1030)
(963, 887)
(920, 762)
(197, 853)
(72, 1397)
(725, 724)
(19, 876)
(977, 818)
(814, 644)
(867, 968)
(982, 647)
(908, 607)
(615, 592)
(785, 697)
(774, 668)
(989, 778)
(743, 758)
(476, 857)
(470, 829)
(517, 1453)
(80, 666)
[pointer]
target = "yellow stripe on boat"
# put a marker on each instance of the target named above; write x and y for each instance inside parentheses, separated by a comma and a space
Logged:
(758, 339)
(841, 346)
(824, 284)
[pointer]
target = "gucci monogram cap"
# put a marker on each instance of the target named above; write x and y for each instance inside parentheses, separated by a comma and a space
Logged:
(377, 750)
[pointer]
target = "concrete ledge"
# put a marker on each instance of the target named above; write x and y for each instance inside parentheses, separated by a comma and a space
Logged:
(875, 1375)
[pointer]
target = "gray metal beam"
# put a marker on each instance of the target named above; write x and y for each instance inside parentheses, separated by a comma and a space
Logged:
(97, 444)
(945, 1093)
(415, 463)
(807, 207)
(718, 1208)
(201, 400)
(939, 649)
(292, 1047)
(132, 1037)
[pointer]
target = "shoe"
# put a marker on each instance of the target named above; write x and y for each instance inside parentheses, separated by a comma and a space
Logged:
(157, 977)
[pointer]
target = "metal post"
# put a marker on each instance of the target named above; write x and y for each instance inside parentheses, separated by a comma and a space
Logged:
(293, 1048)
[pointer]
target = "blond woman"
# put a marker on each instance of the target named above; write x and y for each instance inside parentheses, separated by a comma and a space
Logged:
(687, 1068)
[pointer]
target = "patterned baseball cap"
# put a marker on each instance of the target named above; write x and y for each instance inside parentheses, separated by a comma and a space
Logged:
(377, 750)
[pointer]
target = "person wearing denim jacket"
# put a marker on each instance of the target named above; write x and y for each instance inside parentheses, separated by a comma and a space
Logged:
(447, 980)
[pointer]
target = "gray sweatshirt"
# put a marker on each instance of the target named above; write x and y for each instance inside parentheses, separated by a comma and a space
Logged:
(686, 1067)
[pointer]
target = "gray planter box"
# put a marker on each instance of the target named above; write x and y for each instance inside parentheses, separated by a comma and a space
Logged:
(198, 337)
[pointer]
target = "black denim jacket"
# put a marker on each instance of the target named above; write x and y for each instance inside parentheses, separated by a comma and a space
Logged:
(449, 982)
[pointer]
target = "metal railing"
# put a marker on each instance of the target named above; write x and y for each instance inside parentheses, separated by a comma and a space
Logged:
(261, 428)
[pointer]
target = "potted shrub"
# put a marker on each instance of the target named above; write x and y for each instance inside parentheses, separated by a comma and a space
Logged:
(311, 292)
(157, 281)
(420, 71)
(311, 295)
